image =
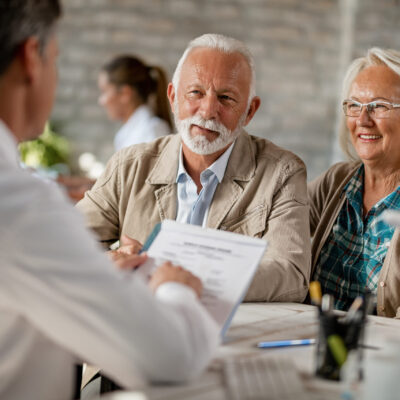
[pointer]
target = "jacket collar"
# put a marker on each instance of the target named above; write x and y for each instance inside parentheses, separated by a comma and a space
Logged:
(164, 172)
(241, 168)
(241, 165)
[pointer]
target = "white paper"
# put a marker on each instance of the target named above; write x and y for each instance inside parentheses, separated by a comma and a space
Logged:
(392, 217)
(224, 261)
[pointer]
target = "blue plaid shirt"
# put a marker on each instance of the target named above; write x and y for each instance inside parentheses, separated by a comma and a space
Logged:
(352, 256)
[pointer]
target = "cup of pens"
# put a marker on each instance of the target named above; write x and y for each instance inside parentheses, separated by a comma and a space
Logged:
(339, 336)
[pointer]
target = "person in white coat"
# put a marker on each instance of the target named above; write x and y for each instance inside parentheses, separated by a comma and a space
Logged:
(61, 299)
(135, 94)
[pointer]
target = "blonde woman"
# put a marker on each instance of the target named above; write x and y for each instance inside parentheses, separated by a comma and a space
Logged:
(353, 249)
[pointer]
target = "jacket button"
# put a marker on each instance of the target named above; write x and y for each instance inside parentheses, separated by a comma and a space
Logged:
(382, 284)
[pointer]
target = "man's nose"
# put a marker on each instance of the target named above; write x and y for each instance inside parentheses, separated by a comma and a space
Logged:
(209, 106)
(364, 119)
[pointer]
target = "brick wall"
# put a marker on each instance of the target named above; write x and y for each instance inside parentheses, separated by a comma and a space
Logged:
(297, 45)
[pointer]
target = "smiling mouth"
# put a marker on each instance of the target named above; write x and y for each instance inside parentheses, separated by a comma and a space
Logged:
(205, 130)
(365, 136)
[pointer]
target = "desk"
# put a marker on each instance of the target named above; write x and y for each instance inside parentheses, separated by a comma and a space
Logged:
(255, 322)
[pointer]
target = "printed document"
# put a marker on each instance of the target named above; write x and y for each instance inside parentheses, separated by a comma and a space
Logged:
(224, 261)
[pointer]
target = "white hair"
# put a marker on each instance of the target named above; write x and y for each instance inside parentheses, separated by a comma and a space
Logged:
(224, 44)
(375, 56)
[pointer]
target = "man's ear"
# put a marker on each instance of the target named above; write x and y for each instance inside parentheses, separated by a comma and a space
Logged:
(254, 105)
(30, 58)
(171, 96)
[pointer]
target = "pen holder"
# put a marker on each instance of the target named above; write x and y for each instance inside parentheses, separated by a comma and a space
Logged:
(337, 338)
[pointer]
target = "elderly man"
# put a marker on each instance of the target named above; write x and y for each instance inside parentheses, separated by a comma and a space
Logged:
(213, 173)
(61, 300)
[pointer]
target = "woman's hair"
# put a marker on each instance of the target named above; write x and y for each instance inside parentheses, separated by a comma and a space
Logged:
(145, 80)
(375, 56)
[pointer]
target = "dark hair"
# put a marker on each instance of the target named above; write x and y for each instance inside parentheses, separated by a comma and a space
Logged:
(21, 19)
(144, 79)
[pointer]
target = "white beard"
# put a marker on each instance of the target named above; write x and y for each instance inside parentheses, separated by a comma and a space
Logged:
(199, 144)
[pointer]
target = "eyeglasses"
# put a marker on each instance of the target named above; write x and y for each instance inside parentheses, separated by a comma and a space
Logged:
(376, 109)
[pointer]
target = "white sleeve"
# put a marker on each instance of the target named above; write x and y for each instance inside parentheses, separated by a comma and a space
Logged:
(184, 300)
(58, 278)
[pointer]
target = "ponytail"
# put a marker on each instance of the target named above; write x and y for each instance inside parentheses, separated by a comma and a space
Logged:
(145, 80)
(161, 101)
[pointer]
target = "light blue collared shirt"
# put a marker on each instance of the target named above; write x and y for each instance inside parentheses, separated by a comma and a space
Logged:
(192, 207)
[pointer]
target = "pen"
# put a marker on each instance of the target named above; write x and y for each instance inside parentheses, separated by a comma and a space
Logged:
(327, 303)
(353, 310)
(285, 343)
(315, 293)
(338, 349)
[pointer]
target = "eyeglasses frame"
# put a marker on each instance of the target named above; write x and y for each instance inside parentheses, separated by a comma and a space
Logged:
(367, 105)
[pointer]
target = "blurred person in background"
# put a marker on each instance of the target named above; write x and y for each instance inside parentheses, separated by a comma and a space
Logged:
(135, 94)
(353, 248)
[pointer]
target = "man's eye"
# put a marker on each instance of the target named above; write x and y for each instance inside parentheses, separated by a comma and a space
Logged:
(352, 106)
(225, 97)
(380, 106)
(194, 93)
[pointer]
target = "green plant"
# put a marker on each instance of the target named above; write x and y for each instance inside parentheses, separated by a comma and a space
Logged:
(47, 150)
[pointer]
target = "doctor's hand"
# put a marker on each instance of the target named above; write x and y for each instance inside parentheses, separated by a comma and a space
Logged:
(168, 272)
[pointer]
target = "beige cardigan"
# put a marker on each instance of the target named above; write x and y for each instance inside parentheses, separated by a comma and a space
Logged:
(326, 200)
(263, 194)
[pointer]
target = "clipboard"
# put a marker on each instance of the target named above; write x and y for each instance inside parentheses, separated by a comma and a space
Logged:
(224, 261)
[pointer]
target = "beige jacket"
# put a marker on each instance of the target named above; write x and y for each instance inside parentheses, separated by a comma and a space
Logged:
(326, 200)
(263, 194)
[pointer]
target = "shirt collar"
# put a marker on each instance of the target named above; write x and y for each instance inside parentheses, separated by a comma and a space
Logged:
(218, 167)
(181, 174)
(354, 188)
(8, 146)
(354, 192)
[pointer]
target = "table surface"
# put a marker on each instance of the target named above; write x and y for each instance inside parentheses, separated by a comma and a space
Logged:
(255, 322)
